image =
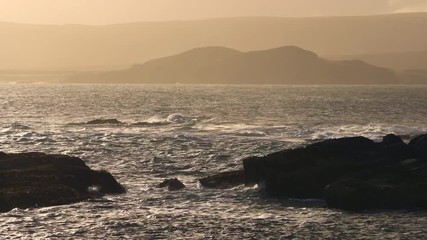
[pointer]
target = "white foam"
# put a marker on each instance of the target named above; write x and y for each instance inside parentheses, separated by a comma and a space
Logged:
(372, 131)
(176, 118)
(227, 127)
(249, 133)
(155, 119)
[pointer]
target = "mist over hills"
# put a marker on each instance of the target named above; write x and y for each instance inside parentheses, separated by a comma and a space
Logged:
(395, 60)
(414, 76)
(79, 47)
(220, 65)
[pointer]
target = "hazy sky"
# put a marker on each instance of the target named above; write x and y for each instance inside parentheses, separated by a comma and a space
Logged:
(116, 11)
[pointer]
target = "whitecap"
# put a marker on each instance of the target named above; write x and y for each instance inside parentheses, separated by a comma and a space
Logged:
(226, 127)
(372, 131)
(176, 118)
(17, 125)
(251, 134)
(150, 124)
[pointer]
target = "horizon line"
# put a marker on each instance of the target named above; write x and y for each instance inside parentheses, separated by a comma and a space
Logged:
(210, 19)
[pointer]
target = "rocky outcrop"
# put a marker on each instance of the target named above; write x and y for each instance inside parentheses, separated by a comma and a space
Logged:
(399, 185)
(224, 180)
(418, 146)
(104, 121)
(305, 172)
(349, 173)
(172, 184)
(38, 180)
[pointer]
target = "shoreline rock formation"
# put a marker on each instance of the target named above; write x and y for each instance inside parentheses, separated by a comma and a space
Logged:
(353, 173)
(172, 184)
(38, 180)
(104, 121)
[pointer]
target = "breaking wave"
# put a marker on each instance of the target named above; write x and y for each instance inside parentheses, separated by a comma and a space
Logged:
(200, 131)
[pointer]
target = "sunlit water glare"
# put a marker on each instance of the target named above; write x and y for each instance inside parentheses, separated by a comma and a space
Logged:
(190, 132)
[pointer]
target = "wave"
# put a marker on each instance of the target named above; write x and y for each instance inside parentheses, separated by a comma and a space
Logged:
(13, 128)
(176, 118)
(251, 134)
(235, 129)
(227, 127)
(150, 124)
(172, 119)
(154, 121)
(372, 131)
(20, 126)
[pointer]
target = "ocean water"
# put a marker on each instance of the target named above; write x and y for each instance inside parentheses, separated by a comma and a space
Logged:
(191, 132)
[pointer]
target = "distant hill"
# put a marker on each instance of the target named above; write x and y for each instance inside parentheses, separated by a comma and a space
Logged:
(414, 76)
(399, 60)
(219, 65)
(79, 47)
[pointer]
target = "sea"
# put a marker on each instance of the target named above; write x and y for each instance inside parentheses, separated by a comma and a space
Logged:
(193, 131)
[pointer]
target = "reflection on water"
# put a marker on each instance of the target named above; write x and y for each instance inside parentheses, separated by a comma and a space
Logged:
(189, 132)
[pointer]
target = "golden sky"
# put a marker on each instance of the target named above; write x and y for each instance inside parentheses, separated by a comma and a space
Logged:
(117, 11)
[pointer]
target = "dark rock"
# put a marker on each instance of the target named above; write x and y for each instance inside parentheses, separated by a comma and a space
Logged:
(418, 146)
(32, 196)
(38, 179)
(391, 139)
(35, 159)
(305, 172)
(106, 183)
(400, 185)
(395, 149)
(173, 184)
(104, 121)
(224, 180)
(349, 173)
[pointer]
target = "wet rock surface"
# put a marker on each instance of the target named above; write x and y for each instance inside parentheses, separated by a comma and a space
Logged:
(399, 185)
(224, 180)
(104, 121)
(351, 173)
(172, 184)
(305, 172)
(37, 180)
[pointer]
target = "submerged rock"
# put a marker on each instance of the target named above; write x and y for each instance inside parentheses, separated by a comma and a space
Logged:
(38, 179)
(173, 184)
(104, 121)
(224, 180)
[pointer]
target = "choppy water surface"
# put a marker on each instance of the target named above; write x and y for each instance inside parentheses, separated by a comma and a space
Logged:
(193, 131)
